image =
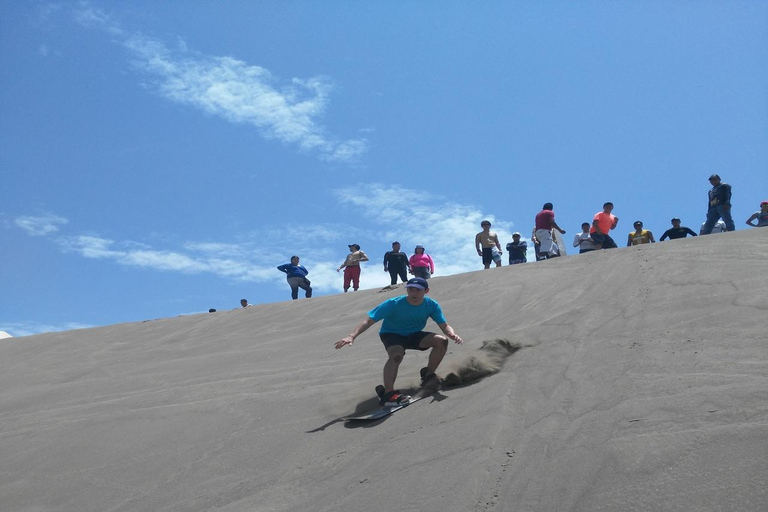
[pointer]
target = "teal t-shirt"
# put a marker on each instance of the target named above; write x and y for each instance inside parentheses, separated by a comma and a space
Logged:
(400, 317)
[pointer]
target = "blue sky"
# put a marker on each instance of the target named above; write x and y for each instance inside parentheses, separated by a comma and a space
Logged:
(162, 158)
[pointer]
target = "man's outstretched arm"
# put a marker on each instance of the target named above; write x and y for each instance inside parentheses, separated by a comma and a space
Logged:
(360, 329)
(448, 331)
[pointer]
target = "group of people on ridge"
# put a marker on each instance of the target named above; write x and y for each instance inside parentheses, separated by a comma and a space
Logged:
(405, 317)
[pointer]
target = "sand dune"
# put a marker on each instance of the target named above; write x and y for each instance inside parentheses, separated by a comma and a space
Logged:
(641, 383)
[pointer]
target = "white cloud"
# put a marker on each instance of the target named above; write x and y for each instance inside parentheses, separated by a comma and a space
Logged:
(234, 90)
(17, 329)
(192, 258)
(40, 225)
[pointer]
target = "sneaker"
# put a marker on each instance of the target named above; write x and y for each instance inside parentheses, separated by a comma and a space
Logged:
(426, 380)
(394, 398)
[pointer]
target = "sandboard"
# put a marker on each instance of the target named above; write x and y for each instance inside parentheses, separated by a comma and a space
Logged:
(385, 411)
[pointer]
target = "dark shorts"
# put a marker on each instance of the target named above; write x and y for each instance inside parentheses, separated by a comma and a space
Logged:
(487, 255)
(410, 342)
(605, 240)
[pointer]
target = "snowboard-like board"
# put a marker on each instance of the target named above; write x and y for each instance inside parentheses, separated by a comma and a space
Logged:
(384, 411)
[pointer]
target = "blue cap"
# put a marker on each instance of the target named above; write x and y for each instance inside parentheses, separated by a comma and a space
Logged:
(417, 282)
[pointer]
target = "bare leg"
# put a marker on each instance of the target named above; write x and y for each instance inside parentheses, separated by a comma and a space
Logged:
(396, 353)
(439, 345)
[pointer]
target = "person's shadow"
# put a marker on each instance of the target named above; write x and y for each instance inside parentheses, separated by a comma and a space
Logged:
(372, 404)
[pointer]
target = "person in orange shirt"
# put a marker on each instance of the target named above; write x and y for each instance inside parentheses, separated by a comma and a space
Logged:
(602, 224)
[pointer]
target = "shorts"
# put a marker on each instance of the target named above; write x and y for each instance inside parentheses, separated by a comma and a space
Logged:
(605, 240)
(487, 255)
(409, 342)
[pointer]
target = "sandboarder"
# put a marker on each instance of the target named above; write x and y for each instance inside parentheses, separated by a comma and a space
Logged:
(404, 320)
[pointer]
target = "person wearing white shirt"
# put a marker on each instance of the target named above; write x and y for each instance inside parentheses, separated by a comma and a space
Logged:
(583, 241)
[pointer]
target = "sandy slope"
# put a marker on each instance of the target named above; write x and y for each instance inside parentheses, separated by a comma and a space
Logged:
(642, 384)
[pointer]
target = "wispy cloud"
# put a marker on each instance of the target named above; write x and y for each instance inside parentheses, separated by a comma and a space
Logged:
(40, 225)
(17, 329)
(234, 90)
(228, 261)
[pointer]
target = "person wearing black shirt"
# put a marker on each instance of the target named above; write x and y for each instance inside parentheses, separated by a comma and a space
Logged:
(396, 263)
(719, 205)
(676, 231)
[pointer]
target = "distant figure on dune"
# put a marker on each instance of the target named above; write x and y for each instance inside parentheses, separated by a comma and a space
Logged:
(761, 216)
(351, 267)
(404, 320)
(719, 206)
(719, 227)
(583, 241)
(602, 224)
(297, 277)
(517, 250)
(421, 263)
(244, 303)
(485, 243)
(676, 231)
(396, 263)
(545, 223)
(639, 235)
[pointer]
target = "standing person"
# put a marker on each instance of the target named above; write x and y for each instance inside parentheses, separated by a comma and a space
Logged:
(719, 206)
(583, 241)
(676, 231)
(487, 240)
(639, 235)
(351, 267)
(761, 215)
(243, 303)
(404, 320)
(517, 250)
(421, 263)
(602, 224)
(297, 278)
(545, 223)
(396, 263)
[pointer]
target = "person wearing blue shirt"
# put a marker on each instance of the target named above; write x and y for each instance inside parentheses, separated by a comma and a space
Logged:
(404, 319)
(297, 277)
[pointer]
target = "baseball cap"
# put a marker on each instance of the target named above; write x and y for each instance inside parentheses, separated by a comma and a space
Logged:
(419, 247)
(515, 234)
(714, 177)
(764, 202)
(355, 246)
(675, 219)
(417, 282)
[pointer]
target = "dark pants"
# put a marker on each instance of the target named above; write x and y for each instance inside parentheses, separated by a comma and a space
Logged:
(604, 240)
(716, 213)
(299, 282)
(394, 272)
